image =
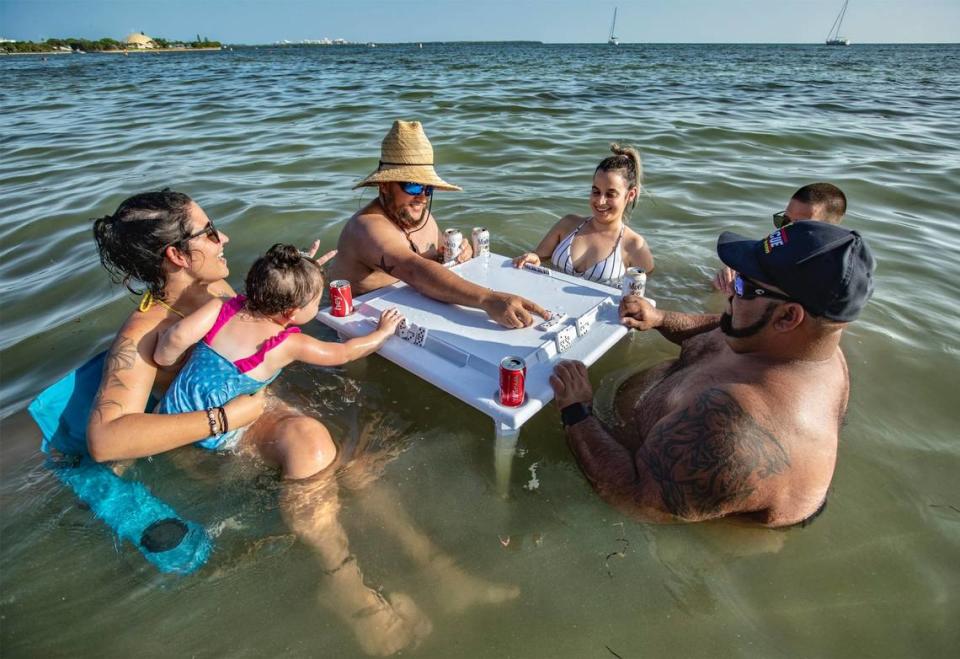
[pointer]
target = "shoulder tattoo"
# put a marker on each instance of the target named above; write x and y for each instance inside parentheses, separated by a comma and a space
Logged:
(121, 357)
(711, 455)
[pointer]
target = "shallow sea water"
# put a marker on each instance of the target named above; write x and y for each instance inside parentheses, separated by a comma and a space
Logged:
(270, 141)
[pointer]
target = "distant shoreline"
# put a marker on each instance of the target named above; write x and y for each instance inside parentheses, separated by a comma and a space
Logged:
(114, 52)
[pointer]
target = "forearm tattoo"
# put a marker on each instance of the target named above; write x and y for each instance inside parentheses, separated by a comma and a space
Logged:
(122, 357)
(710, 456)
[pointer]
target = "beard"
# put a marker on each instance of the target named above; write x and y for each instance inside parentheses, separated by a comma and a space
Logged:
(401, 215)
(726, 324)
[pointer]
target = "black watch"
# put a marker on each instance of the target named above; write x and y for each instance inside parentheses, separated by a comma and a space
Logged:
(574, 413)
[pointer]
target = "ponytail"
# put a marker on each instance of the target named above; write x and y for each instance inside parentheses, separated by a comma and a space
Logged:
(132, 240)
(282, 279)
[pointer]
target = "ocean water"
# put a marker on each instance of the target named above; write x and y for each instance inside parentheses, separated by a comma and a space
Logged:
(270, 141)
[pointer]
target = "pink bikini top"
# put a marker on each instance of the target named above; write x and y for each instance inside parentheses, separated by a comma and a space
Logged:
(228, 311)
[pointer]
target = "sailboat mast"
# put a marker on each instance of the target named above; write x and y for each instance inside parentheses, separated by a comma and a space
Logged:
(613, 25)
(835, 30)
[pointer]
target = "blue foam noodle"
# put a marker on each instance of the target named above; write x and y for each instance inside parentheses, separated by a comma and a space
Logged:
(169, 542)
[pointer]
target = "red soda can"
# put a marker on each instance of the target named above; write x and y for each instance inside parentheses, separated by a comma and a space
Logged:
(341, 299)
(513, 376)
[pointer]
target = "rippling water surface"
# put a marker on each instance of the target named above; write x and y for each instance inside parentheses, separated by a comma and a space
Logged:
(270, 142)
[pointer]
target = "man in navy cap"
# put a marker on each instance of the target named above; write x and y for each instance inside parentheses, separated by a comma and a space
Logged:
(745, 422)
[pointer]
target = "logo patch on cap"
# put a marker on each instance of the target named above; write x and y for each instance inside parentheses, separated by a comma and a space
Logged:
(776, 239)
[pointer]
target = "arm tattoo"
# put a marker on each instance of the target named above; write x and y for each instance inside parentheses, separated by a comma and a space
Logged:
(383, 265)
(121, 357)
(711, 455)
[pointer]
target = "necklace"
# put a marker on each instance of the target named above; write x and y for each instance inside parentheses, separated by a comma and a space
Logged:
(148, 301)
(407, 234)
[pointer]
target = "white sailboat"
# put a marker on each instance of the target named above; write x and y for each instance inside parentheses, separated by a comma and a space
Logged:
(614, 40)
(834, 38)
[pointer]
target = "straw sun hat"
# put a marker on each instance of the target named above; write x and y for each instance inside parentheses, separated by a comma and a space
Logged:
(406, 155)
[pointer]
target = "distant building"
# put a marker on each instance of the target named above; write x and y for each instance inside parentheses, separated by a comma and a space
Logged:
(140, 40)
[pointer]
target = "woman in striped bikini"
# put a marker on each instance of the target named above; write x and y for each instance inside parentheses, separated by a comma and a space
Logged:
(600, 247)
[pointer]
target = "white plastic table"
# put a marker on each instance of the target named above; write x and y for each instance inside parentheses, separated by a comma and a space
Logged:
(463, 347)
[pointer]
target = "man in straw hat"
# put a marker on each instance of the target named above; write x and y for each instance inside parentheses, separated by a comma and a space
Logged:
(396, 237)
(746, 421)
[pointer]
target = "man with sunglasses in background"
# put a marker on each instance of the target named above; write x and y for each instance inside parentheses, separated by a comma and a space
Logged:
(395, 236)
(745, 422)
(817, 201)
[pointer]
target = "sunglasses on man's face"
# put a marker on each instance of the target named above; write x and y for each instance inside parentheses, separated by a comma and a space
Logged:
(781, 219)
(416, 189)
(748, 289)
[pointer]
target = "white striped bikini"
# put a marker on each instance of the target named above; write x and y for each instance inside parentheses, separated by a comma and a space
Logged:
(608, 271)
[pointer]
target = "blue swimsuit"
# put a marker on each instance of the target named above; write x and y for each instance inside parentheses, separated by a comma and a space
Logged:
(209, 379)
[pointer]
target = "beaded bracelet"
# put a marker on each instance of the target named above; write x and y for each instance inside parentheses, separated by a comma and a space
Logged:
(212, 421)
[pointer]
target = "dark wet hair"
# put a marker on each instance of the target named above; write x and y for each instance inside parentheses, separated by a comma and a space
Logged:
(282, 279)
(827, 195)
(132, 240)
(626, 160)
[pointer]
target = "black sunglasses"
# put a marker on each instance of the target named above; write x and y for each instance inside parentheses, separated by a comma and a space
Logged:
(209, 231)
(781, 219)
(748, 289)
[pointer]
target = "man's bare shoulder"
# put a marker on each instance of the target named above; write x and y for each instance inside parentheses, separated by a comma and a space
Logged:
(710, 458)
(700, 345)
(369, 229)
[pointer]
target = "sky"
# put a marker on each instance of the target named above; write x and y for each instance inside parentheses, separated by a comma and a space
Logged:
(552, 21)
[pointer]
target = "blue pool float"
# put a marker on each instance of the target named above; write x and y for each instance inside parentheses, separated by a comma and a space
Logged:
(171, 543)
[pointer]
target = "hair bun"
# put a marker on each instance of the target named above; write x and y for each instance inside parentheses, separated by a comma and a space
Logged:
(284, 256)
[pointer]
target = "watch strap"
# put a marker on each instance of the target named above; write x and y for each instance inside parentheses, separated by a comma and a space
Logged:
(574, 413)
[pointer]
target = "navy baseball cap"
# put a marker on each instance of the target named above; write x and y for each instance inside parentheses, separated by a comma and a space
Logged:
(826, 268)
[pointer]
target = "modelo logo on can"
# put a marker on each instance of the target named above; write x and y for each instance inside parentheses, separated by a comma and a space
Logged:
(480, 240)
(451, 244)
(634, 282)
(341, 299)
(513, 386)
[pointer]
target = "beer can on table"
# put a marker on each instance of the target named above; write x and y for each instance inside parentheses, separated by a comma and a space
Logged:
(341, 299)
(513, 375)
(481, 241)
(634, 282)
(451, 244)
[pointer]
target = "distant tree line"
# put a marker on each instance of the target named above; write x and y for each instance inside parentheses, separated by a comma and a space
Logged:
(105, 44)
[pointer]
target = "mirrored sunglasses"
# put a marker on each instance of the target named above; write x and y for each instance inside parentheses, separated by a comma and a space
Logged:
(416, 189)
(748, 289)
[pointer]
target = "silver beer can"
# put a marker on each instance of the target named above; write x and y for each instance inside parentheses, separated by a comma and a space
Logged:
(634, 282)
(451, 244)
(480, 239)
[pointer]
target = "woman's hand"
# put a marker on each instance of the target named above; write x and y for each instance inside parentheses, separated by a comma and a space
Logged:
(313, 250)
(245, 409)
(526, 257)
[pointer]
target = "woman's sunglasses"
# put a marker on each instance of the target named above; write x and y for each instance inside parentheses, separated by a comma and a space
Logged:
(748, 289)
(209, 231)
(415, 189)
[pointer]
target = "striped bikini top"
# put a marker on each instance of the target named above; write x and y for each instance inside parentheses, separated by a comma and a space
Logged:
(608, 271)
